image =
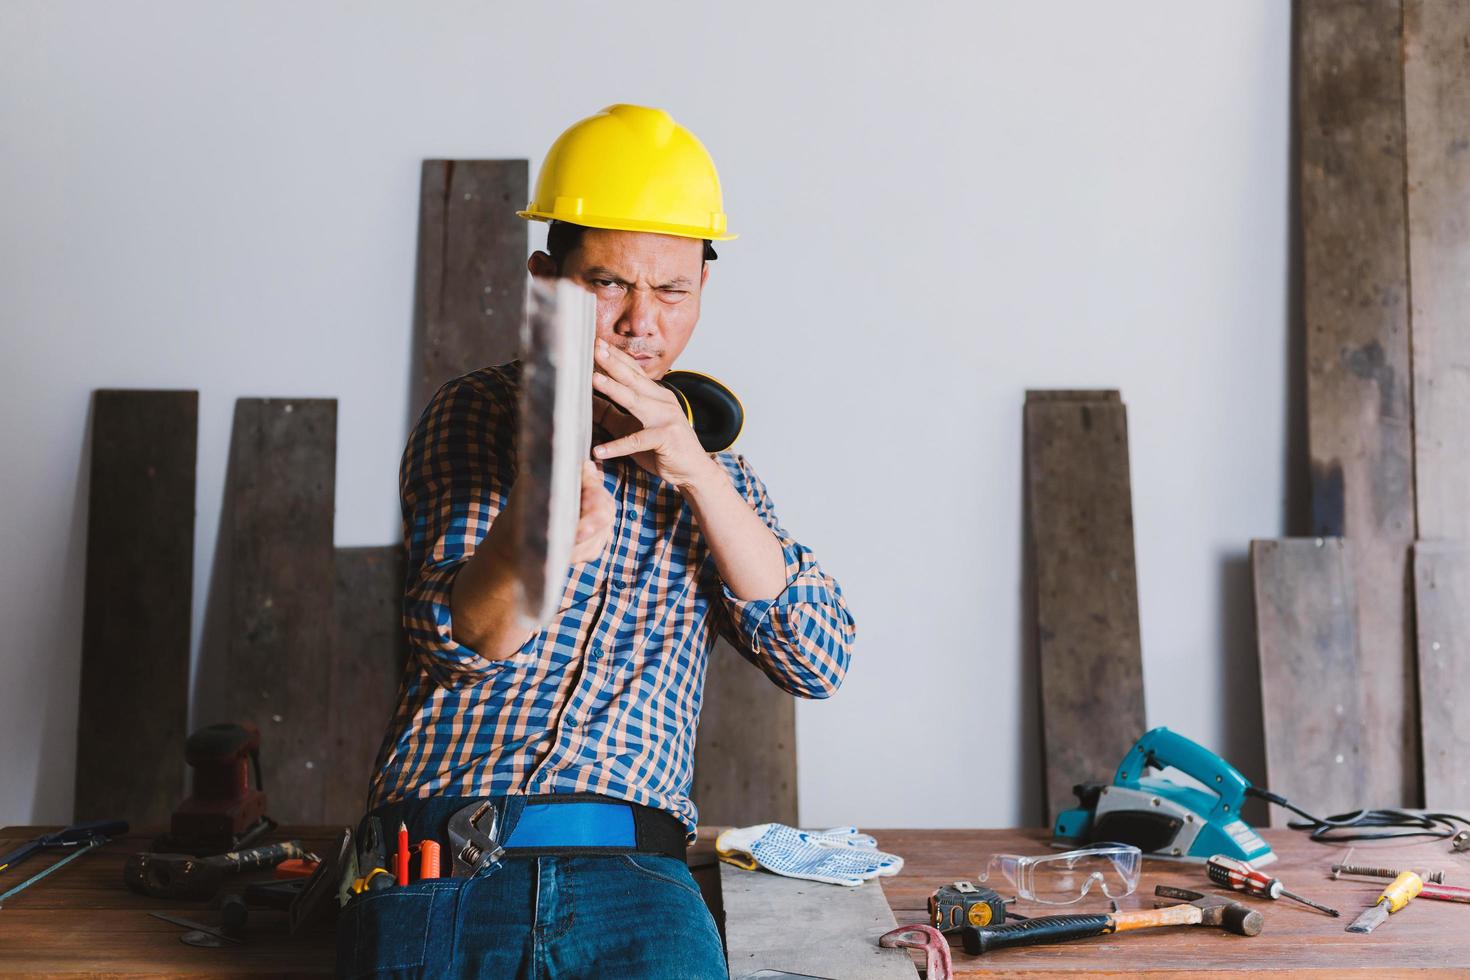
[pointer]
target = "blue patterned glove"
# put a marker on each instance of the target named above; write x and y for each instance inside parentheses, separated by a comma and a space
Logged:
(840, 856)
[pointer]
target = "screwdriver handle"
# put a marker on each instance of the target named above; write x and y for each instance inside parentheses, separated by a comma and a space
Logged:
(1403, 888)
(1241, 877)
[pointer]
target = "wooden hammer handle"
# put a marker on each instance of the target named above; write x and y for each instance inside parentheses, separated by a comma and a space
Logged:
(1172, 915)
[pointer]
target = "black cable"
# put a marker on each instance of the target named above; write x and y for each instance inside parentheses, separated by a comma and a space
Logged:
(1398, 823)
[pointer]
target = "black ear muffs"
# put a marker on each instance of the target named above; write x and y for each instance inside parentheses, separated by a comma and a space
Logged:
(712, 409)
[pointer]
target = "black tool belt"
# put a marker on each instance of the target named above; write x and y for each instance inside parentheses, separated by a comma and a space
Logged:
(649, 831)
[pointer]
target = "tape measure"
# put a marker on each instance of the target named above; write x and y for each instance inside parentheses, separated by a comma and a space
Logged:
(965, 904)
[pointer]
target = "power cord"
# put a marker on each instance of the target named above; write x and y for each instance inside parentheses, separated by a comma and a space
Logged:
(1398, 823)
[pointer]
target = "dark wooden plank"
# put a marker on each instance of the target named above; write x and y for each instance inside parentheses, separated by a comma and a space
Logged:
(1437, 114)
(805, 927)
(1080, 519)
(1355, 288)
(134, 701)
(745, 753)
(283, 461)
(1437, 121)
(367, 667)
(472, 253)
(1311, 693)
(1442, 616)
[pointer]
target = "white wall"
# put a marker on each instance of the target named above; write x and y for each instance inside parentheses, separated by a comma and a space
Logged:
(940, 205)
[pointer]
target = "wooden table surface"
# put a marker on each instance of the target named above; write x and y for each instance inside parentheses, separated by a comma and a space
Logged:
(83, 921)
(1423, 936)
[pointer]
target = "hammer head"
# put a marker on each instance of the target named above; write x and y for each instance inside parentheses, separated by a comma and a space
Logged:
(1226, 913)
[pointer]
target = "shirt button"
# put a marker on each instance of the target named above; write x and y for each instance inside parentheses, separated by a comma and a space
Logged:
(571, 721)
(596, 653)
(633, 513)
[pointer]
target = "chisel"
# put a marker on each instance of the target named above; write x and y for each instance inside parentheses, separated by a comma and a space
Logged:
(1394, 897)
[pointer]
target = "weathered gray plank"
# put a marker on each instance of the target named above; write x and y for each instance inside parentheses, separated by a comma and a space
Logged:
(472, 253)
(1311, 691)
(1437, 118)
(283, 459)
(1442, 614)
(134, 697)
(368, 657)
(778, 923)
(1359, 431)
(1080, 512)
(745, 754)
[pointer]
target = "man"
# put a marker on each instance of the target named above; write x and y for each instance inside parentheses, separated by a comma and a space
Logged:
(582, 734)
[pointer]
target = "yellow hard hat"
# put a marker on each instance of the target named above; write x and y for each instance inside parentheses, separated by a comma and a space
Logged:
(631, 168)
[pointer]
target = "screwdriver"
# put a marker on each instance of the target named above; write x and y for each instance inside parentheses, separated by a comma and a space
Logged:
(1394, 897)
(1242, 877)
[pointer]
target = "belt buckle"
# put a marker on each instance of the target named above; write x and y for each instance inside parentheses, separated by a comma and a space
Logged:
(474, 838)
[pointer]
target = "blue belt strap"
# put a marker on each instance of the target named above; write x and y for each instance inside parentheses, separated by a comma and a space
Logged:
(580, 824)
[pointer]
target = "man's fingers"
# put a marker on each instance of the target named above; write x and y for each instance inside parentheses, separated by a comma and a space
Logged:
(617, 421)
(623, 367)
(619, 394)
(640, 441)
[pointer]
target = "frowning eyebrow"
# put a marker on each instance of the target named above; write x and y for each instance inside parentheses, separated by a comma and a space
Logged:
(602, 272)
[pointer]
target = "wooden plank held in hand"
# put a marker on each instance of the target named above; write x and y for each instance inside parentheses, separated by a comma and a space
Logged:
(368, 658)
(1311, 687)
(283, 464)
(472, 251)
(134, 703)
(1437, 114)
(1355, 287)
(1080, 508)
(1442, 612)
(554, 442)
(745, 755)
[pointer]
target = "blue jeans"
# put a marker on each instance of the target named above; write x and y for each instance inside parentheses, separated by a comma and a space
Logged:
(626, 915)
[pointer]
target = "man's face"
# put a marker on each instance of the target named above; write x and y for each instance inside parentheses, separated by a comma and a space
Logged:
(647, 288)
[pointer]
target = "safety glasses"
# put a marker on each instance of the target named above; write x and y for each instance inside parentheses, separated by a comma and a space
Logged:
(1061, 879)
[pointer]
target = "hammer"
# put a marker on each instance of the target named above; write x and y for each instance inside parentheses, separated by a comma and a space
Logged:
(1200, 910)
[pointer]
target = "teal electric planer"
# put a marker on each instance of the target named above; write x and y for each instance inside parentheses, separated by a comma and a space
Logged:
(1164, 818)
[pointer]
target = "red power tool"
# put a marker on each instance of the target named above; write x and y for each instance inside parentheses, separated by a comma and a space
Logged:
(225, 812)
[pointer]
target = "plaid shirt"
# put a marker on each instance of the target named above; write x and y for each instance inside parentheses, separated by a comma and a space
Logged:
(606, 698)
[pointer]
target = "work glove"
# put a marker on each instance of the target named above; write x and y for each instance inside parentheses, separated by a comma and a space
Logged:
(840, 856)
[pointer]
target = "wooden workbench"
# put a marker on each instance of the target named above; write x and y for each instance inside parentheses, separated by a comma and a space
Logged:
(82, 921)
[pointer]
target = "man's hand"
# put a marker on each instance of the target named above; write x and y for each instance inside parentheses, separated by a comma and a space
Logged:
(649, 421)
(483, 601)
(594, 530)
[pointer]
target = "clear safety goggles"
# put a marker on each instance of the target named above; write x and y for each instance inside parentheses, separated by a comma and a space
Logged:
(1061, 879)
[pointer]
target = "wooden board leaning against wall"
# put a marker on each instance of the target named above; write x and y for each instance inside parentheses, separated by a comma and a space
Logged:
(1080, 509)
(1350, 108)
(1437, 122)
(138, 604)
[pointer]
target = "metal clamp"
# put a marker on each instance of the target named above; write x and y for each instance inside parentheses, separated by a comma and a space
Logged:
(1461, 841)
(474, 838)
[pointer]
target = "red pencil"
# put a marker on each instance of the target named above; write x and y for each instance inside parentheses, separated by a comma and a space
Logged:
(402, 855)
